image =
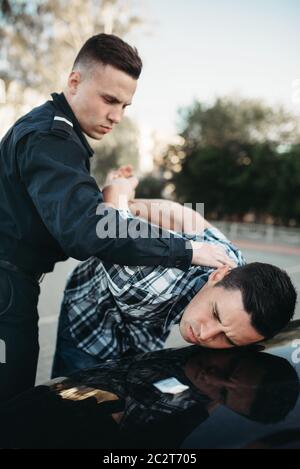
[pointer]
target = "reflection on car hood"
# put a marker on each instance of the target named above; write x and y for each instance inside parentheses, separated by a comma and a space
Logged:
(190, 397)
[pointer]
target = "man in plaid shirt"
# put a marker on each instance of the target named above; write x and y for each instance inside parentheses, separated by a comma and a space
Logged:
(109, 310)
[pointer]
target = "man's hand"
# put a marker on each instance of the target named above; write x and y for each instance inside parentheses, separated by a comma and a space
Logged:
(123, 187)
(210, 255)
(119, 187)
(125, 171)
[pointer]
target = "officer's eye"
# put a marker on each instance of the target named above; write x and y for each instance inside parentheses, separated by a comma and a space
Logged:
(108, 100)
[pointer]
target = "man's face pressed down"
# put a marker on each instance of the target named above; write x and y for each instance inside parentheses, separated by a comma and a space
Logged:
(216, 317)
(98, 98)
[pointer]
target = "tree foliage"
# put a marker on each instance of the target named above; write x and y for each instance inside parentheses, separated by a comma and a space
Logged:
(40, 38)
(238, 157)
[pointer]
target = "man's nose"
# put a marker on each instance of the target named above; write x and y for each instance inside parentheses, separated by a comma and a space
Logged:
(209, 331)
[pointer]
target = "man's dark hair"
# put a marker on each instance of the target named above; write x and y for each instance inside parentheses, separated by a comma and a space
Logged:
(109, 49)
(268, 295)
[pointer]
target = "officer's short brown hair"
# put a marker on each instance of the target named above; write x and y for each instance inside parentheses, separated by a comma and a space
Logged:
(109, 49)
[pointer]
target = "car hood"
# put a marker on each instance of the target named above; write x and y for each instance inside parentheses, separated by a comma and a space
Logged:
(188, 397)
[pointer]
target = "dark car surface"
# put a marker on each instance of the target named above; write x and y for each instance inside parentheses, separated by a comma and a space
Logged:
(189, 397)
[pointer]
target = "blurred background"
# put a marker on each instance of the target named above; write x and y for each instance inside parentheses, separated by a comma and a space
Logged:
(215, 120)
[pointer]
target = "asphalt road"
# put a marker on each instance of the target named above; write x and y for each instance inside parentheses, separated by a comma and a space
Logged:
(53, 285)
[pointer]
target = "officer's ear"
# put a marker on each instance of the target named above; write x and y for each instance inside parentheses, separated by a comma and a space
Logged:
(73, 81)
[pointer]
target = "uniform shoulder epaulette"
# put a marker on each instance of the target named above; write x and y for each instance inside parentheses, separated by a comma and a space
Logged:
(61, 125)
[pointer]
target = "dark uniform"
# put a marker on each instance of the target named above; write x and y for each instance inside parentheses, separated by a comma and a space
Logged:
(48, 212)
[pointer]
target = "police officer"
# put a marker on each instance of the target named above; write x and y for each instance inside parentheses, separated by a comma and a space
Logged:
(48, 200)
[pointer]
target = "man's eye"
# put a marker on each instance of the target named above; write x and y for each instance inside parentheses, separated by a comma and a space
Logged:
(227, 341)
(215, 316)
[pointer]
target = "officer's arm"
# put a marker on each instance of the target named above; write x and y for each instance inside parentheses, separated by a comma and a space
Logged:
(71, 205)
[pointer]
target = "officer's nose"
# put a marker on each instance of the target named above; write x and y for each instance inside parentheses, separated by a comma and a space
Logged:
(115, 116)
(209, 331)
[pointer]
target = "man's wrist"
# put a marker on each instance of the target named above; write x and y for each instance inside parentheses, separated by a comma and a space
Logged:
(196, 246)
(113, 196)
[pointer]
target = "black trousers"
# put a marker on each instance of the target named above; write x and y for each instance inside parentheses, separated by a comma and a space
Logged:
(19, 346)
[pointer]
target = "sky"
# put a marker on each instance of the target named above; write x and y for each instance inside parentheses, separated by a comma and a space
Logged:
(196, 49)
(203, 49)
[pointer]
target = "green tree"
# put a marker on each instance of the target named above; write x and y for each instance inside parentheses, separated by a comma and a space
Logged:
(229, 183)
(285, 206)
(40, 38)
(150, 187)
(240, 120)
(238, 156)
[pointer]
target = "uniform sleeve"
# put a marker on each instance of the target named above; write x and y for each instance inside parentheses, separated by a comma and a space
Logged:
(70, 204)
(157, 282)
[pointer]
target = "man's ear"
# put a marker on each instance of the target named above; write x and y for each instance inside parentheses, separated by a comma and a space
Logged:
(218, 274)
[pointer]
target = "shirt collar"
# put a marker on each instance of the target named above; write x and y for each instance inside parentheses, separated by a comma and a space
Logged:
(62, 104)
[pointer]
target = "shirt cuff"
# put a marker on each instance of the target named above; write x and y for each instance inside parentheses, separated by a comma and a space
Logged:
(181, 254)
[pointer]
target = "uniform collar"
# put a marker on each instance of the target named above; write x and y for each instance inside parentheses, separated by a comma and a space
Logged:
(62, 104)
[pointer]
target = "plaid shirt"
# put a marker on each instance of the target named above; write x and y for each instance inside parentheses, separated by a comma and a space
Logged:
(114, 310)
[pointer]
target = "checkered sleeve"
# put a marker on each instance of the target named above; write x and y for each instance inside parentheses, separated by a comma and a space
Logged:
(161, 282)
(157, 281)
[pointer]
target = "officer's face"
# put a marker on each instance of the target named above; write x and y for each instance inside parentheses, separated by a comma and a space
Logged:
(216, 317)
(99, 97)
